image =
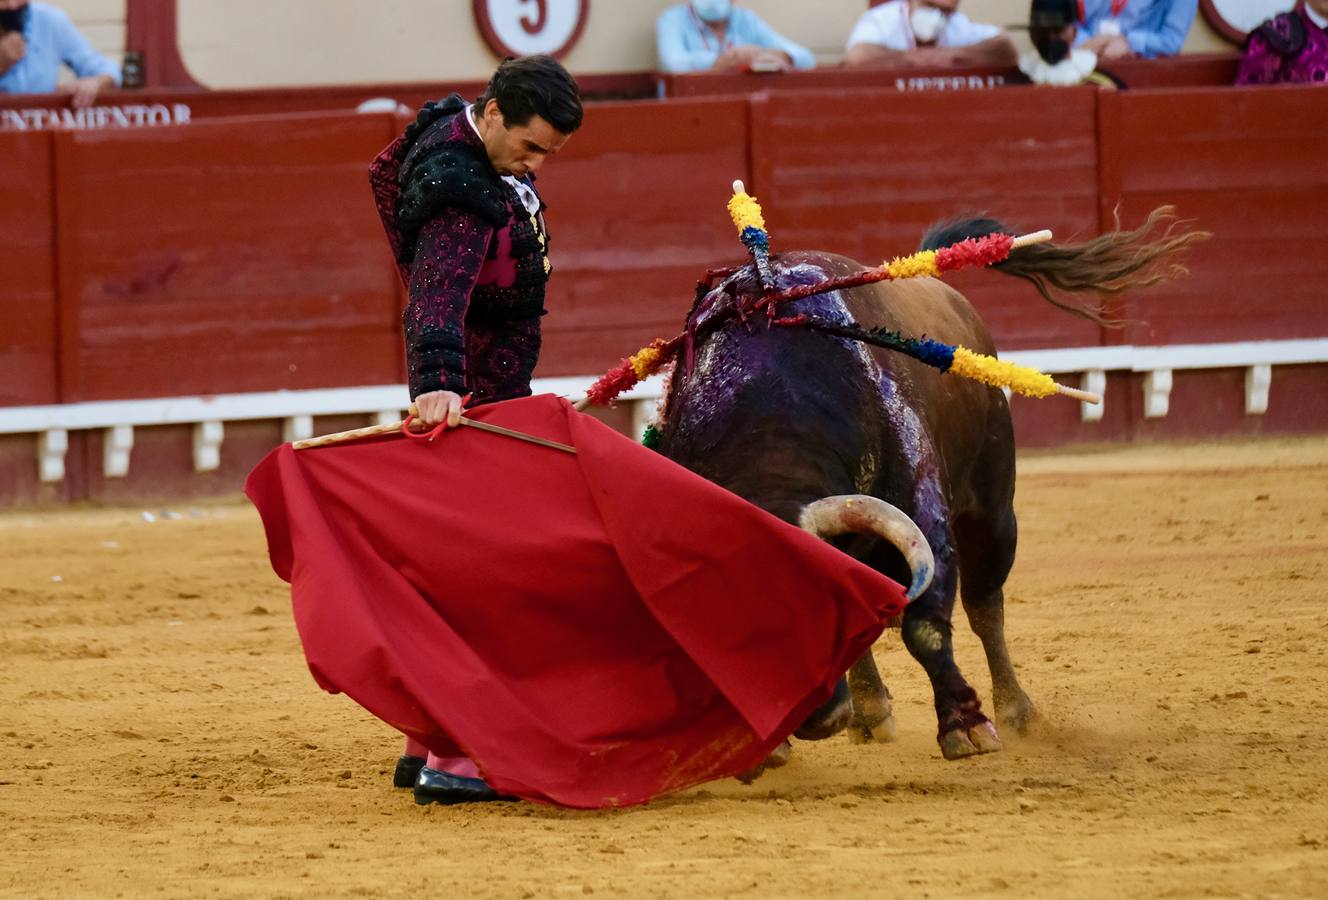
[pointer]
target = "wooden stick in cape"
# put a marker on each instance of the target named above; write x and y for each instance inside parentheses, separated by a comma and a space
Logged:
(356, 434)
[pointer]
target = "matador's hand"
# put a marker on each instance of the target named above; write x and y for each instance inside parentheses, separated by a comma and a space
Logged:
(438, 406)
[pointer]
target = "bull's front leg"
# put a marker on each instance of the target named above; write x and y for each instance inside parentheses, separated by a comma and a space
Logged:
(873, 707)
(963, 730)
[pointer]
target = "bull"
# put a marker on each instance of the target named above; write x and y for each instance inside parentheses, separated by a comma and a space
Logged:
(788, 416)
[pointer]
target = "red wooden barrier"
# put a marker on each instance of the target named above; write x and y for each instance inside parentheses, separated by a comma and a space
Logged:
(140, 106)
(223, 257)
(27, 259)
(1247, 165)
(1186, 70)
(636, 214)
(911, 78)
(864, 173)
(242, 255)
(245, 254)
(208, 104)
(1189, 70)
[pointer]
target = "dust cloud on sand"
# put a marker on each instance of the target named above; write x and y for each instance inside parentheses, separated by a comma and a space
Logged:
(161, 737)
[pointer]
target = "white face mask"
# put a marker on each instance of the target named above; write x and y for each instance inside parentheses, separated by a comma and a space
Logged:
(713, 10)
(927, 23)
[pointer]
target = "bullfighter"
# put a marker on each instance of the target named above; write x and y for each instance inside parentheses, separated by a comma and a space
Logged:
(457, 198)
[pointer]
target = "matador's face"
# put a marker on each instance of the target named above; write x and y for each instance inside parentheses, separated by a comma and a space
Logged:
(520, 149)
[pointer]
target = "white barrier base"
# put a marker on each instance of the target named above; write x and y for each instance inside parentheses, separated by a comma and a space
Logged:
(387, 403)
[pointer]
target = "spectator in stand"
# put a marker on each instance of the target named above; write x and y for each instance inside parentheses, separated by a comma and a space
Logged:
(926, 33)
(1289, 49)
(715, 34)
(1114, 29)
(35, 39)
(1052, 27)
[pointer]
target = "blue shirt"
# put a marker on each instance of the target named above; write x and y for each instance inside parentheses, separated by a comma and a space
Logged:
(685, 45)
(51, 40)
(1152, 27)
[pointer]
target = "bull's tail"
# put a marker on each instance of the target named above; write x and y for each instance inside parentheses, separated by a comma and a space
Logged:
(1110, 264)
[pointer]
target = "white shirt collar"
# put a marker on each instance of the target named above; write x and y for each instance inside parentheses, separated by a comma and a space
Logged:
(1321, 21)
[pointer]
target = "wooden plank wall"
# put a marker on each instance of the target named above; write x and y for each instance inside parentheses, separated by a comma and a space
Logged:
(864, 174)
(27, 259)
(1186, 70)
(1246, 164)
(223, 256)
(285, 101)
(636, 214)
(244, 254)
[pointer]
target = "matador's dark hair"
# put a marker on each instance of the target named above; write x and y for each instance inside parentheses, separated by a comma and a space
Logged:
(537, 85)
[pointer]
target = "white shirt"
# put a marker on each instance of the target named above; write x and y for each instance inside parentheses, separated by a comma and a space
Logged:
(529, 199)
(1321, 21)
(887, 26)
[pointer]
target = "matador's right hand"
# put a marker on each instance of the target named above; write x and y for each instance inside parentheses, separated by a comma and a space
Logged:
(438, 406)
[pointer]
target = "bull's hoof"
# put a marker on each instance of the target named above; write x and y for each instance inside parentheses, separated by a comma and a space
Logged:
(778, 758)
(831, 725)
(883, 731)
(830, 718)
(981, 738)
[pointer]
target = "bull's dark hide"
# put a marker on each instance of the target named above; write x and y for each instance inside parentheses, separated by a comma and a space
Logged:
(784, 416)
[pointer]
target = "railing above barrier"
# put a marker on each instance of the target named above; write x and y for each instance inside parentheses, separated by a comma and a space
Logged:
(143, 108)
(147, 108)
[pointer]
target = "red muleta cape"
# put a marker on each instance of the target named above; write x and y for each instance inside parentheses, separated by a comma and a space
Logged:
(592, 630)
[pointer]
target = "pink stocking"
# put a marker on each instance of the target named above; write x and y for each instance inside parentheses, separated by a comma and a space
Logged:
(453, 765)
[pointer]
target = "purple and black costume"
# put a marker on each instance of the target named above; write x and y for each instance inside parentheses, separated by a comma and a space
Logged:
(473, 258)
(1287, 49)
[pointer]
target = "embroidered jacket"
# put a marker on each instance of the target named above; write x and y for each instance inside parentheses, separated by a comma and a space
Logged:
(1288, 48)
(473, 259)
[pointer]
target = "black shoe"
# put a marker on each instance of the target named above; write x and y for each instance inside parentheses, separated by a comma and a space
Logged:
(408, 769)
(440, 787)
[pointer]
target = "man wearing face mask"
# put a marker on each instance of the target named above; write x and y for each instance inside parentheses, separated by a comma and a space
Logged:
(714, 34)
(35, 39)
(926, 33)
(1052, 27)
(457, 198)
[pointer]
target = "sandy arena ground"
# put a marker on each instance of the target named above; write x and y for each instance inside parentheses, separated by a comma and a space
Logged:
(161, 737)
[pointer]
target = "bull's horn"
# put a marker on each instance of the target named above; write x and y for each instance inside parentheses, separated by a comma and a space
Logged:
(832, 516)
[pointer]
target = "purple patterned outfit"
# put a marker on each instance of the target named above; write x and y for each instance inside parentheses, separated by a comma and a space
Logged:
(1287, 49)
(471, 254)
